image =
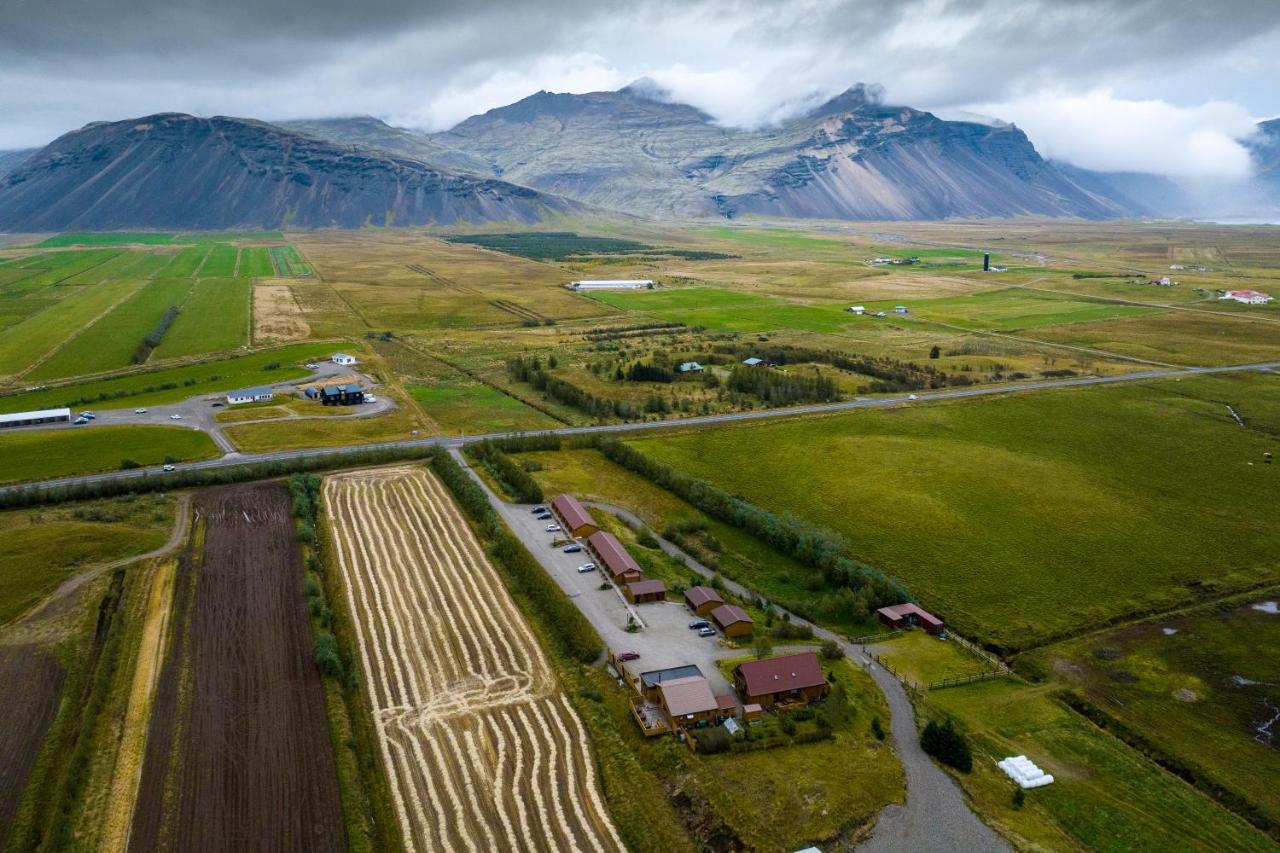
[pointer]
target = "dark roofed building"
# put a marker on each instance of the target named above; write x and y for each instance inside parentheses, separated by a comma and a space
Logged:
(640, 592)
(572, 516)
(620, 565)
(907, 615)
(702, 599)
(732, 620)
(648, 682)
(797, 677)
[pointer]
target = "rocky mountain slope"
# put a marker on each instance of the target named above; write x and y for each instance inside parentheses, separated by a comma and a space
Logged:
(10, 160)
(177, 171)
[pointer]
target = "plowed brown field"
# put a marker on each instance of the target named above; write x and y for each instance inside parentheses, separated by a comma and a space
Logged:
(238, 752)
(30, 682)
(482, 750)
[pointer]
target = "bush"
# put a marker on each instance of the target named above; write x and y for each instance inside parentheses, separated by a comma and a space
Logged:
(831, 650)
(126, 464)
(947, 745)
(327, 657)
(515, 478)
(787, 725)
(714, 740)
(645, 539)
(1019, 797)
(877, 729)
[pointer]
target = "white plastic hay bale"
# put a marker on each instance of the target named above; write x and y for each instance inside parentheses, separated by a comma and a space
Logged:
(1022, 770)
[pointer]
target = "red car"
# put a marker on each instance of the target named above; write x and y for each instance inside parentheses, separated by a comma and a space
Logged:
(629, 656)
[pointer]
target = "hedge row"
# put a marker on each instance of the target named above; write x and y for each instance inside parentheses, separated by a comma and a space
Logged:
(572, 633)
(518, 482)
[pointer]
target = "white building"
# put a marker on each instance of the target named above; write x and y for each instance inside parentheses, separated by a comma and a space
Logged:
(43, 416)
(857, 309)
(690, 367)
(613, 284)
(1247, 297)
(250, 395)
(343, 358)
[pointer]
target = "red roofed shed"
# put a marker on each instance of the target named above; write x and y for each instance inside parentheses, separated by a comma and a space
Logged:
(733, 621)
(573, 516)
(649, 590)
(901, 616)
(620, 565)
(702, 599)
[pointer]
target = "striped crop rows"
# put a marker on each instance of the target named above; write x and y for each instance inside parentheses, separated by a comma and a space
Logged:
(481, 749)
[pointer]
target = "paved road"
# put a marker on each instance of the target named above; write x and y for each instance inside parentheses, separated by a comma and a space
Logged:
(705, 420)
(936, 817)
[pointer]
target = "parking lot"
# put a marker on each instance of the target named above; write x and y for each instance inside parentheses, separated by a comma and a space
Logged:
(665, 640)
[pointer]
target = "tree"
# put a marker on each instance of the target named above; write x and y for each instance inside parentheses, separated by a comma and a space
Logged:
(947, 745)
(763, 646)
(552, 363)
(831, 650)
(935, 352)
(1019, 797)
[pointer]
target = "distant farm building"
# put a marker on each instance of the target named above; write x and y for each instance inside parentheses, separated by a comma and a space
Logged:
(641, 592)
(702, 599)
(337, 395)
(250, 395)
(1247, 297)
(688, 702)
(790, 678)
(615, 560)
(572, 516)
(857, 309)
(690, 367)
(41, 416)
(733, 621)
(613, 284)
(899, 309)
(901, 616)
(754, 362)
(343, 358)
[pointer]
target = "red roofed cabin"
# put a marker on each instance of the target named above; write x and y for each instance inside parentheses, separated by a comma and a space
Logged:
(615, 560)
(901, 616)
(688, 702)
(640, 592)
(572, 516)
(790, 678)
(702, 599)
(733, 621)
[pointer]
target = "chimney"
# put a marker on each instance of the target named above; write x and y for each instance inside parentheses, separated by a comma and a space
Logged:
(986, 262)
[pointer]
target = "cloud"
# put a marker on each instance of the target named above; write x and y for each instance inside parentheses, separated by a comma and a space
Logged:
(1100, 131)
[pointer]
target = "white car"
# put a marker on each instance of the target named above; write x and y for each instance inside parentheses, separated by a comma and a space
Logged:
(139, 411)
(912, 397)
(553, 528)
(311, 365)
(175, 417)
(167, 468)
(586, 567)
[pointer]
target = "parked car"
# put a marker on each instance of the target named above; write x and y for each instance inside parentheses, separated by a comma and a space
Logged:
(369, 398)
(707, 632)
(553, 528)
(88, 416)
(217, 406)
(139, 411)
(311, 365)
(167, 468)
(586, 567)
(175, 417)
(538, 510)
(912, 397)
(81, 421)
(572, 549)
(699, 623)
(629, 656)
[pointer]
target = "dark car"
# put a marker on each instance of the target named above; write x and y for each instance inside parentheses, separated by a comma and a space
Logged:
(698, 623)
(572, 549)
(538, 510)
(629, 656)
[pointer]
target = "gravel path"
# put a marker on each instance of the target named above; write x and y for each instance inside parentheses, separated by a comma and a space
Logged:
(936, 817)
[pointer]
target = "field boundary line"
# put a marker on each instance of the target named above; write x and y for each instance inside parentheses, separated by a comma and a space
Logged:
(78, 332)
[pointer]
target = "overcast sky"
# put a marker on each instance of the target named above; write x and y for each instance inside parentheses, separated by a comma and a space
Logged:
(1158, 85)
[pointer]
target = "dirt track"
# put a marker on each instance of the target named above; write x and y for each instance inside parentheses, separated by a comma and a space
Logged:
(481, 749)
(31, 682)
(238, 754)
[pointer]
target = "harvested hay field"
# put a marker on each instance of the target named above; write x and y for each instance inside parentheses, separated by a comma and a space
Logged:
(277, 315)
(238, 752)
(31, 682)
(481, 748)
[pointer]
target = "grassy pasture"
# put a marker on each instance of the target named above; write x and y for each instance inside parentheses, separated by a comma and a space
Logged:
(115, 238)
(43, 546)
(187, 261)
(146, 264)
(1177, 337)
(470, 407)
(727, 310)
(111, 341)
(36, 336)
(189, 380)
(255, 262)
(220, 262)
(1199, 686)
(289, 262)
(42, 454)
(1051, 495)
(215, 318)
(925, 659)
(293, 433)
(1013, 309)
(56, 267)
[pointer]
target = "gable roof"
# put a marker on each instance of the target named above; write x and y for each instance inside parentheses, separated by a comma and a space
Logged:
(753, 361)
(612, 554)
(689, 695)
(728, 614)
(647, 587)
(571, 512)
(700, 595)
(776, 675)
(251, 392)
(897, 611)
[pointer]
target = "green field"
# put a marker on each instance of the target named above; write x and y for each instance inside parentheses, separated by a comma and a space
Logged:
(1075, 503)
(144, 238)
(256, 262)
(39, 334)
(56, 267)
(465, 407)
(215, 318)
(1177, 337)
(43, 454)
(220, 262)
(42, 547)
(1013, 309)
(111, 342)
(173, 384)
(187, 261)
(924, 659)
(727, 310)
(289, 262)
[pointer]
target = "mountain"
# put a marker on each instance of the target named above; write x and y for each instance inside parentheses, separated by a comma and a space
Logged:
(851, 158)
(177, 171)
(376, 135)
(10, 160)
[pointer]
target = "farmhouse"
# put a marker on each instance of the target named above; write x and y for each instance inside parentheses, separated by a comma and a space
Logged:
(250, 395)
(613, 284)
(753, 362)
(341, 395)
(640, 592)
(857, 309)
(1247, 297)
(908, 615)
(702, 599)
(690, 367)
(733, 621)
(899, 309)
(791, 678)
(648, 682)
(42, 416)
(572, 516)
(343, 358)
(620, 565)
(688, 702)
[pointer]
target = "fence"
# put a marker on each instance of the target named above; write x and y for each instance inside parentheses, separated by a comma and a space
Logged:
(874, 638)
(998, 669)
